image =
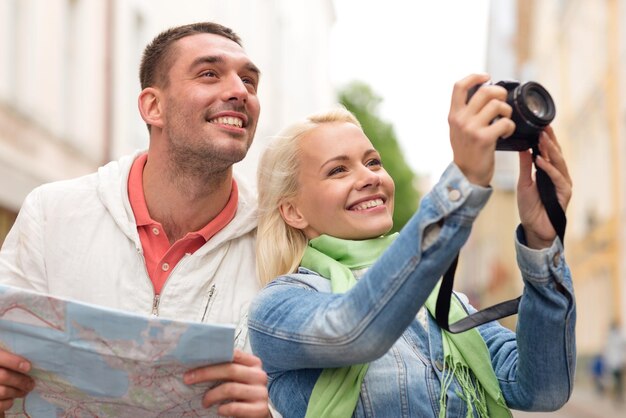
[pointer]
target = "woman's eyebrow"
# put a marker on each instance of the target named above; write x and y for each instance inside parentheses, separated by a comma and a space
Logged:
(335, 159)
(344, 157)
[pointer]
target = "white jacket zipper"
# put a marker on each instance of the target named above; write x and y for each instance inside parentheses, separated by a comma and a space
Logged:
(155, 305)
(208, 303)
(157, 296)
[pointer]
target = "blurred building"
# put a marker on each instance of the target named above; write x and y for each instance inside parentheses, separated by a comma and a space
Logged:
(576, 50)
(69, 78)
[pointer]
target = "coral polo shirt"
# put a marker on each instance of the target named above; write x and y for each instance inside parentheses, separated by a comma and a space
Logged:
(161, 257)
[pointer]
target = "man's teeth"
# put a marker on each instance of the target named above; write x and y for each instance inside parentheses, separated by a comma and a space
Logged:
(368, 204)
(228, 120)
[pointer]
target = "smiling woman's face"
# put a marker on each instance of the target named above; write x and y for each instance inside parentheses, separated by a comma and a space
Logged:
(344, 191)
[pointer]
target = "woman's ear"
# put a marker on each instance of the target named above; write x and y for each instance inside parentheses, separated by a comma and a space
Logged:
(150, 107)
(292, 216)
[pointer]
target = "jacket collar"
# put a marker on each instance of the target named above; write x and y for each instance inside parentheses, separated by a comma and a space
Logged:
(113, 193)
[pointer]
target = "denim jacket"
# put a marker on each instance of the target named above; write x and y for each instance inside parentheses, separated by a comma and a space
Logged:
(297, 327)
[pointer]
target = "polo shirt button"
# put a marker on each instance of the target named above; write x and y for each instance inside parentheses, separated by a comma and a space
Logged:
(165, 267)
(155, 230)
(454, 195)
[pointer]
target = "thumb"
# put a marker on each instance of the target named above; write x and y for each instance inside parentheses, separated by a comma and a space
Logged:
(525, 169)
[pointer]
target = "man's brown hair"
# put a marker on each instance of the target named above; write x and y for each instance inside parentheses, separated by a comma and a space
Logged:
(158, 54)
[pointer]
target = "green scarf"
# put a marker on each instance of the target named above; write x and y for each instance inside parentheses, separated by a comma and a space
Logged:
(336, 391)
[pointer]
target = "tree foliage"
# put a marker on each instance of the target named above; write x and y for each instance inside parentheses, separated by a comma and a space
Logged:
(359, 98)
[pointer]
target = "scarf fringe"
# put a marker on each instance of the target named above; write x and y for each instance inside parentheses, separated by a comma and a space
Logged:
(472, 392)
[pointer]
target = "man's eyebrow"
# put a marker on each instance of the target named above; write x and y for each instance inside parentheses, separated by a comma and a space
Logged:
(207, 59)
(253, 68)
(216, 59)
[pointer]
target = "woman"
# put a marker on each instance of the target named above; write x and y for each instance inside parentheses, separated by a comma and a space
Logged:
(342, 327)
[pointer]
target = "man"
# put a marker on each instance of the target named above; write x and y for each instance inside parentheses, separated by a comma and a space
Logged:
(169, 232)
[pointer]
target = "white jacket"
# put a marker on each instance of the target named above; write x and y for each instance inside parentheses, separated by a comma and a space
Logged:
(78, 239)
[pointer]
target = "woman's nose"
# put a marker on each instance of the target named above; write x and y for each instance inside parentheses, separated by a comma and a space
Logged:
(367, 178)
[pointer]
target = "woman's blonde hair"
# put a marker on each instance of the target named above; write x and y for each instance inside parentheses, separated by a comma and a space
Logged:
(280, 246)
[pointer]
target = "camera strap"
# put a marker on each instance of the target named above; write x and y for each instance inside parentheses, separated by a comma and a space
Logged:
(547, 194)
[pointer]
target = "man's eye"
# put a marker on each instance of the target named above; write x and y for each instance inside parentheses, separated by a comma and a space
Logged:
(209, 74)
(249, 81)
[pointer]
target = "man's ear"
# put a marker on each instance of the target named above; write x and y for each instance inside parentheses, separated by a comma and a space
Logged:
(292, 215)
(150, 106)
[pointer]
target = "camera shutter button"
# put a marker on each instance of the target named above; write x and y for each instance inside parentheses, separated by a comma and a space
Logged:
(454, 194)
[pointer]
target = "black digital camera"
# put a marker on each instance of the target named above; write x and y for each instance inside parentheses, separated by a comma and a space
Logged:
(533, 110)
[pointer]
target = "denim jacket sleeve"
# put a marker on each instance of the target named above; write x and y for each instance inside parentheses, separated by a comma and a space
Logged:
(535, 366)
(294, 326)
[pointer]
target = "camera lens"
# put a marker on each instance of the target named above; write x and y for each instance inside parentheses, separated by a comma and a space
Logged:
(535, 104)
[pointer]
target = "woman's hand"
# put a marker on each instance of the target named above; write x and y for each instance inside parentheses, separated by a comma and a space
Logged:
(475, 126)
(539, 230)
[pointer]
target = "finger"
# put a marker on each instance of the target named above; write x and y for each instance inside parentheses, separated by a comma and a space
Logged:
(247, 359)
(7, 392)
(492, 110)
(5, 405)
(226, 372)
(525, 169)
(229, 371)
(248, 410)
(484, 96)
(231, 391)
(552, 172)
(555, 156)
(461, 88)
(563, 187)
(501, 128)
(14, 362)
(543, 147)
(552, 136)
(16, 380)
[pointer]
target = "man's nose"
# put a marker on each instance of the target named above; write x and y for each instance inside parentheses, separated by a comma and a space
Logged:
(235, 89)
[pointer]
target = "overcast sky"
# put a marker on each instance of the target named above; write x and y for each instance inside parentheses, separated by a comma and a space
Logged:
(411, 53)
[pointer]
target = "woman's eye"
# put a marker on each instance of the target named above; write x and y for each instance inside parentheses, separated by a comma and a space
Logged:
(336, 170)
(374, 162)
